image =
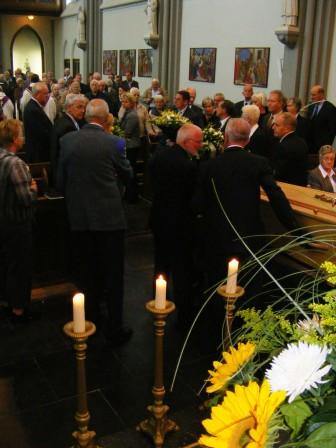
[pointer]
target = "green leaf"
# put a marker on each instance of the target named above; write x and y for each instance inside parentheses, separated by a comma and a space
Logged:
(318, 420)
(323, 437)
(295, 413)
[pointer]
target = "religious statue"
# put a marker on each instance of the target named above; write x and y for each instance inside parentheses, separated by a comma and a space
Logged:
(290, 12)
(151, 11)
(81, 41)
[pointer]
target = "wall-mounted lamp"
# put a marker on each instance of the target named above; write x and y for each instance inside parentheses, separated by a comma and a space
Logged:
(30, 17)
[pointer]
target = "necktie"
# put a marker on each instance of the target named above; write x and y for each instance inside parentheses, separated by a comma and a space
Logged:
(316, 109)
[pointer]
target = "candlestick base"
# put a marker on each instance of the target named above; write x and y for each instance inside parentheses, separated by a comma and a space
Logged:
(84, 437)
(230, 299)
(158, 425)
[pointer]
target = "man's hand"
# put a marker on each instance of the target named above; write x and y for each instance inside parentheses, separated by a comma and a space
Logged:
(33, 186)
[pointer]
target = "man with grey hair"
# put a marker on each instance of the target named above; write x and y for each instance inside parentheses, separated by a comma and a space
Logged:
(92, 163)
(37, 125)
(323, 177)
(173, 176)
(71, 120)
(290, 155)
(151, 92)
(229, 192)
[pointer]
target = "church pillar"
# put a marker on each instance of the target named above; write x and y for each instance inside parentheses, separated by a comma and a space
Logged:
(167, 56)
(308, 62)
(94, 36)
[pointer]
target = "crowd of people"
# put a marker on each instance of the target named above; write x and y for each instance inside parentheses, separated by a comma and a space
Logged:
(196, 207)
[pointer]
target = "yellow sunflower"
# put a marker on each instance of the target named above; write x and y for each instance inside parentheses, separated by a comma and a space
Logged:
(242, 419)
(234, 360)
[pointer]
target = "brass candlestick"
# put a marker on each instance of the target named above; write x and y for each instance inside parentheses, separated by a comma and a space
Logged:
(84, 437)
(157, 425)
(230, 299)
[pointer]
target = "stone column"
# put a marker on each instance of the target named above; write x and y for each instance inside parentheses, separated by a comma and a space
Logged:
(308, 62)
(167, 57)
(93, 35)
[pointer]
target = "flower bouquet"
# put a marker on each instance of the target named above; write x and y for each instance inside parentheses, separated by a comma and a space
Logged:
(170, 121)
(213, 140)
(116, 129)
(280, 381)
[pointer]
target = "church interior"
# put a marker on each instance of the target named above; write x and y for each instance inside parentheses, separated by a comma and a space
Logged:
(46, 384)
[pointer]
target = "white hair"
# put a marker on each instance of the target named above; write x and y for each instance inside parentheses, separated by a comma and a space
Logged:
(251, 113)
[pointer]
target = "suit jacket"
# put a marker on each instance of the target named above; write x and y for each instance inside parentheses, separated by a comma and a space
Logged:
(316, 180)
(238, 108)
(258, 144)
(128, 85)
(173, 176)
(290, 160)
(194, 114)
(131, 126)
(62, 126)
(322, 126)
(90, 164)
(237, 176)
(38, 129)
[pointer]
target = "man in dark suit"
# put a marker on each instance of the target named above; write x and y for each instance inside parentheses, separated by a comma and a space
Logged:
(173, 176)
(322, 119)
(84, 88)
(224, 112)
(290, 156)
(247, 93)
(74, 107)
(196, 110)
(91, 164)
(37, 125)
(232, 182)
(323, 177)
(182, 104)
(129, 82)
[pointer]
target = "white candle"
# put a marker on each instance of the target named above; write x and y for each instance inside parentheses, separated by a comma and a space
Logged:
(231, 285)
(160, 293)
(78, 313)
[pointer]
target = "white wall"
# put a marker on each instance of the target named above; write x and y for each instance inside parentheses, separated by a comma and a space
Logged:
(65, 40)
(225, 25)
(124, 28)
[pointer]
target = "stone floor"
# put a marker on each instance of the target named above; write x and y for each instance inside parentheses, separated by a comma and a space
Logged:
(37, 368)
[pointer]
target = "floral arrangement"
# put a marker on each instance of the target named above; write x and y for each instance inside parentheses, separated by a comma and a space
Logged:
(280, 380)
(116, 129)
(213, 140)
(329, 268)
(170, 119)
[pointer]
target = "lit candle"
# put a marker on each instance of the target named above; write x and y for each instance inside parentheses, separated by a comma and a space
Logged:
(78, 313)
(231, 285)
(160, 293)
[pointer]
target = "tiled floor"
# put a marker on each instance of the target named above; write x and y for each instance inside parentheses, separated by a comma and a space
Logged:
(37, 369)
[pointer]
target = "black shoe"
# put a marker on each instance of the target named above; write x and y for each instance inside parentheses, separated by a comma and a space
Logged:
(119, 337)
(24, 318)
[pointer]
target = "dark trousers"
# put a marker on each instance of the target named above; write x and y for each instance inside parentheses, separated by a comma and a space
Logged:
(16, 264)
(132, 188)
(99, 259)
(174, 260)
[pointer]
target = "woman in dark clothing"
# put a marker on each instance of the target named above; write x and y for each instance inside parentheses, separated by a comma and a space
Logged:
(129, 122)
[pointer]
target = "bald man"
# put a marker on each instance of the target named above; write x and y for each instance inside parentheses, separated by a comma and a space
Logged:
(322, 118)
(173, 176)
(233, 181)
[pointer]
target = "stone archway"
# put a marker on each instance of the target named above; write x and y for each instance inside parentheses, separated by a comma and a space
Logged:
(27, 51)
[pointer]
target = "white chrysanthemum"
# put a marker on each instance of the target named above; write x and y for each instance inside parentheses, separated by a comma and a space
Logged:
(298, 368)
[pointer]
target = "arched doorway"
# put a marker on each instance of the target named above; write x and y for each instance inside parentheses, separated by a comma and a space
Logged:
(27, 51)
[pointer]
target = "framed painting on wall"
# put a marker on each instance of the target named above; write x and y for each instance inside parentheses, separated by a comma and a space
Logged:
(127, 60)
(110, 62)
(202, 64)
(145, 63)
(251, 66)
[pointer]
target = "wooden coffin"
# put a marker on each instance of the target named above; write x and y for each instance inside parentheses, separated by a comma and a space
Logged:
(316, 211)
